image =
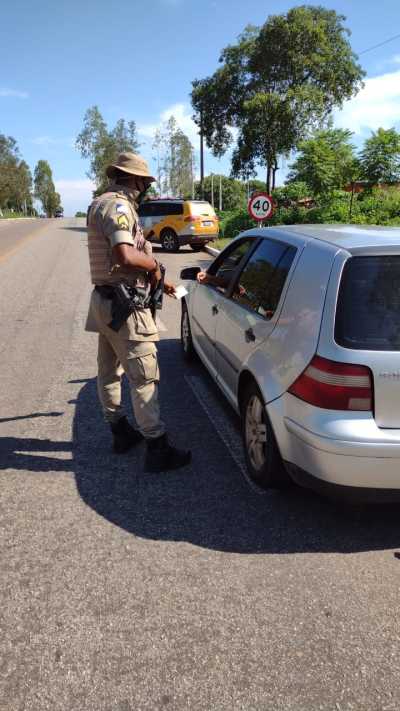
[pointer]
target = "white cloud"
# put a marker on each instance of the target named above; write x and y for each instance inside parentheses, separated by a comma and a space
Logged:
(14, 93)
(377, 105)
(182, 115)
(75, 194)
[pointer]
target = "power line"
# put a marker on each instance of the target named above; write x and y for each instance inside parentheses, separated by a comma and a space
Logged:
(379, 45)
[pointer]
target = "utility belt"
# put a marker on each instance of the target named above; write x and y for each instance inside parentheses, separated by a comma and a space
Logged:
(105, 291)
(126, 299)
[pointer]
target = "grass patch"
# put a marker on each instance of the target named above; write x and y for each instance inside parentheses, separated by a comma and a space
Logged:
(219, 243)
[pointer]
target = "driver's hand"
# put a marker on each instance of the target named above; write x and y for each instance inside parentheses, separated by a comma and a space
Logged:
(203, 278)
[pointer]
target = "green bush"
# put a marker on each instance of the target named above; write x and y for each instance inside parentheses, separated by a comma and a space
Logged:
(379, 207)
(287, 194)
(237, 222)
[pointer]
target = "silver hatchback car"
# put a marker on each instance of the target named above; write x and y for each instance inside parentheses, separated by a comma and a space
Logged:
(300, 328)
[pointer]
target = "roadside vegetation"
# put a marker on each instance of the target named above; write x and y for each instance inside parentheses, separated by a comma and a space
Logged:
(330, 183)
(17, 188)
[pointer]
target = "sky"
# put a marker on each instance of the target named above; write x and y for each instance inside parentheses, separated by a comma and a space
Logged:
(136, 60)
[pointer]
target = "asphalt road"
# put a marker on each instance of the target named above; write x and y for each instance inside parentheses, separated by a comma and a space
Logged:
(121, 591)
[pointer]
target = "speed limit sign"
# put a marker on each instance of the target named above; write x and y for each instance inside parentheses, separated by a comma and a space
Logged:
(260, 206)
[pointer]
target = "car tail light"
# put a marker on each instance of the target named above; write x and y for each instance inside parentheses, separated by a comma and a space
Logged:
(335, 386)
(191, 218)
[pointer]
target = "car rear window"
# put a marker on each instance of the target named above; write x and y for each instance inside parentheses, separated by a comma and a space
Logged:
(368, 309)
(198, 209)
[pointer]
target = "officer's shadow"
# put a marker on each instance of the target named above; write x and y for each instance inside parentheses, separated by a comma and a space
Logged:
(30, 455)
(209, 504)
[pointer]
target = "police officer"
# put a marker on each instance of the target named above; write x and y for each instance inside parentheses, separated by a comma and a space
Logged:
(119, 253)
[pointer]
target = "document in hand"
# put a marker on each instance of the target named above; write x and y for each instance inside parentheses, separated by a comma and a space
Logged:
(180, 291)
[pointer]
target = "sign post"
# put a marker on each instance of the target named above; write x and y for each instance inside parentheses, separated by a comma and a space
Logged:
(260, 207)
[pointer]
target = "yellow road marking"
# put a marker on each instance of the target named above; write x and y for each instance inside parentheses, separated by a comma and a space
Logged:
(28, 238)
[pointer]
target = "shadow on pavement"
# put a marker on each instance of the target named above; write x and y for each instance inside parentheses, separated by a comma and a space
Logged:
(26, 454)
(210, 504)
(32, 416)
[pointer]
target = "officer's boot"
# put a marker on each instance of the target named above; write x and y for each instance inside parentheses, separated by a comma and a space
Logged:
(161, 456)
(124, 436)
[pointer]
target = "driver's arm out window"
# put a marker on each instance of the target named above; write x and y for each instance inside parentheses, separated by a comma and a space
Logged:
(225, 269)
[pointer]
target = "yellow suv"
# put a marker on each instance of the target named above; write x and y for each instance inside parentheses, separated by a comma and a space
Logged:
(174, 222)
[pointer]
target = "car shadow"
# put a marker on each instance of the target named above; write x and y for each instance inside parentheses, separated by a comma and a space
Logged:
(209, 504)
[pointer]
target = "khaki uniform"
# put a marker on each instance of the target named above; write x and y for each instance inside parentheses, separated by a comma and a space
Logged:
(113, 220)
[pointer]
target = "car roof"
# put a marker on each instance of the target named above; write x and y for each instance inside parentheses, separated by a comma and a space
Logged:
(178, 200)
(349, 237)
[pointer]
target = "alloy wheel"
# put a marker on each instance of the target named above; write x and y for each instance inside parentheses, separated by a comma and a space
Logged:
(256, 432)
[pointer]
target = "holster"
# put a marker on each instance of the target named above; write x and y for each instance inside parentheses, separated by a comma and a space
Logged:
(125, 300)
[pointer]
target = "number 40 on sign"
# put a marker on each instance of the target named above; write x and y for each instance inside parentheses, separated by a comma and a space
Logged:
(260, 206)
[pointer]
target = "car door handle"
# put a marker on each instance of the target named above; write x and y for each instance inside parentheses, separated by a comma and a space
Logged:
(214, 310)
(249, 335)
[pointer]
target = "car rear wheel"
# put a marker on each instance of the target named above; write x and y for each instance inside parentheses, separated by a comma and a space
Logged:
(169, 241)
(188, 350)
(263, 459)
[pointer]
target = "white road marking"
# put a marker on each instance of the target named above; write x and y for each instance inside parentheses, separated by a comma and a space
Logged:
(223, 427)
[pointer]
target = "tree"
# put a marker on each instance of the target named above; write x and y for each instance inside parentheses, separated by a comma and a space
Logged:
(380, 157)
(275, 85)
(175, 160)
(23, 187)
(44, 188)
(291, 193)
(102, 146)
(159, 147)
(15, 177)
(234, 193)
(325, 162)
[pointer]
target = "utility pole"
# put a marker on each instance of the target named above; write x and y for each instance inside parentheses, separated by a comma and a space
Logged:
(201, 157)
(192, 156)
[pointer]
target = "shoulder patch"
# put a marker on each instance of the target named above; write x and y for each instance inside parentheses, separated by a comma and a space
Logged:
(123, 222)
(124, 209)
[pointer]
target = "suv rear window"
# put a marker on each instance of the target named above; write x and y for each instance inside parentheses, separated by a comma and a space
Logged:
(368, 309)
(158, 209)
(199, 209)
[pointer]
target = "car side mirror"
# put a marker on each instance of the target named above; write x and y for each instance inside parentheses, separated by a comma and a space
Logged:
(190, 273)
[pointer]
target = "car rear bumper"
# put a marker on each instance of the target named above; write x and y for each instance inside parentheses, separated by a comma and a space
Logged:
(351, 494)
(337, 449)
(196, 239)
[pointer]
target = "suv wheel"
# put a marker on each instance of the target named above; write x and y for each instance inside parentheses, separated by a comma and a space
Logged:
(186, 335)
(263, 458)
(169, 241)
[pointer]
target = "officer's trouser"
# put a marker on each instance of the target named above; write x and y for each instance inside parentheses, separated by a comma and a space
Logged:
(138, 359)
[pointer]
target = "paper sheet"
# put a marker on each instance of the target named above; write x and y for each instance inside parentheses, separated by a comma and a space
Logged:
(180, 291)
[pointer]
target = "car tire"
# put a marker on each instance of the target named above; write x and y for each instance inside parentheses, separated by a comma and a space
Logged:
(187, 346)
(263, 459)
(197, 247)
(169, 241)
